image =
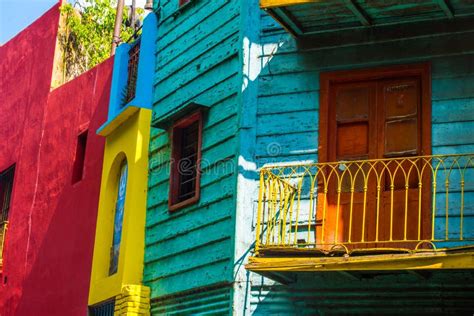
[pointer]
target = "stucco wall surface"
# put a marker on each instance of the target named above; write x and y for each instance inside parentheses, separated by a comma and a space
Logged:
(48, 250)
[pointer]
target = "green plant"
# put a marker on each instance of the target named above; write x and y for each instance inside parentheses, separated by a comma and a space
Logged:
(86, 37)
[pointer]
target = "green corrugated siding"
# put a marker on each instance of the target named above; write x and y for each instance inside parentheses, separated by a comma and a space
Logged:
(390, 294)
(197, 60)
(213, 301)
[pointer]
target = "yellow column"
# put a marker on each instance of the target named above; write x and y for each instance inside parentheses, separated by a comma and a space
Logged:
(134, 300)
(127, 139)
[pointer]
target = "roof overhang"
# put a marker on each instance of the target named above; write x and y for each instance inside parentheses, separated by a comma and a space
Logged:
(309, 17)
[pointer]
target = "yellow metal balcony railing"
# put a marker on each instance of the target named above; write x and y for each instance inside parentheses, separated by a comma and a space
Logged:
(423, 203)
(3, 230)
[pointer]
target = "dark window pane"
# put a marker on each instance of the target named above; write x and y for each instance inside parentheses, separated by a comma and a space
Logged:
(103, 309)
(6, 187)
(78, 166)
(187, 165)
(133, 55)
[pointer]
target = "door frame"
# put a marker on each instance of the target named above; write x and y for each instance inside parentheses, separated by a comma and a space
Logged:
(421, 70)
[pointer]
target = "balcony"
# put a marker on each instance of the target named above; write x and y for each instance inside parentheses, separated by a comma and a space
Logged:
(132, 79)
(3, 230)
(414, 213)
(303, 18)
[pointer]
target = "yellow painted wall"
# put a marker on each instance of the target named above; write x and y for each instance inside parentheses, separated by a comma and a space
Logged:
(129, 141)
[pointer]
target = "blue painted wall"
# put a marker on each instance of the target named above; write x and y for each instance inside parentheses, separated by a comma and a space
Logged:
(145, 74)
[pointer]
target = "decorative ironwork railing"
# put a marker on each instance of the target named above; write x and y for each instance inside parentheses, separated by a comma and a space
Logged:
(3, 230)
(409, 203)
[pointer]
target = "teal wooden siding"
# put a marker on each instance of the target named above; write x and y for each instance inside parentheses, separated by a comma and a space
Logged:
(194, 257)
(288, 103)
(287, 131)
(197, 60)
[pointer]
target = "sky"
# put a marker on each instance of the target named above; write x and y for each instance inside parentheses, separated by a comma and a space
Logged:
(15, 15)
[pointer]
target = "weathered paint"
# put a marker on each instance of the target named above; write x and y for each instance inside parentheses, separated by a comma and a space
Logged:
(49, 244)
(197, 61)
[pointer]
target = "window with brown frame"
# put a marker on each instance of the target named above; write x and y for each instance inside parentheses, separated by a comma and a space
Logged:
(185, 162)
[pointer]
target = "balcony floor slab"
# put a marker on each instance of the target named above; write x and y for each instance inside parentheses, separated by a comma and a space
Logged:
(442, 259)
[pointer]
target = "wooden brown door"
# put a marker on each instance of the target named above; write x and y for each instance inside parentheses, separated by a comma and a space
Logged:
(404, 210)
(352, 137)
(372, 119)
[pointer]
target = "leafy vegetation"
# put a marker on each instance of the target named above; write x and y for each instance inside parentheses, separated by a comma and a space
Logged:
(87, 32)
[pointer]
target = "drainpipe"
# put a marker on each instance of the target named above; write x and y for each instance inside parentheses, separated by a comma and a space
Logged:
(118, 25)
(133, 18)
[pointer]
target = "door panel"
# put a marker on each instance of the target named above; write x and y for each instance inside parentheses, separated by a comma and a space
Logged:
(353, 134)
(352, 140)
(401, 137)
(399, 107)
(370, 120)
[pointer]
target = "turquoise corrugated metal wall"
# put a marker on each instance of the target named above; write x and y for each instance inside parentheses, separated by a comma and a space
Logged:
(197, 60)
(334, 294)
(213, 301)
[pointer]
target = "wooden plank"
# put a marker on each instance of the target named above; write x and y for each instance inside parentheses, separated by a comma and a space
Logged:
(287, 145)
(265, 4)
(459, 133)
(358, 12)
(207, 274)
(417, 261)
(289, 20)
(446, 7)
(286, 123)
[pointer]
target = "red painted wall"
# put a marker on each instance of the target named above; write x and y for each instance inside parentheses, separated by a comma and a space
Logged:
(48, 251)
